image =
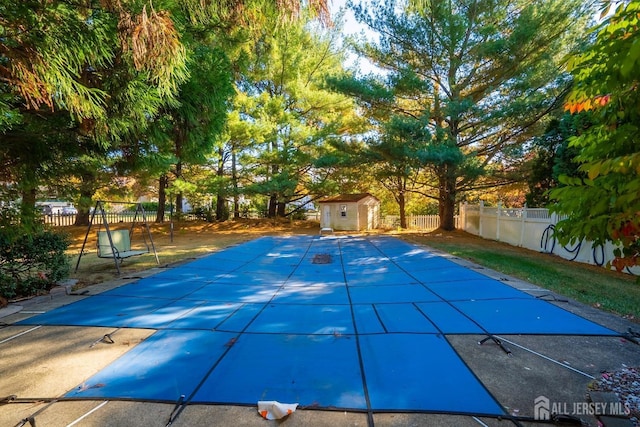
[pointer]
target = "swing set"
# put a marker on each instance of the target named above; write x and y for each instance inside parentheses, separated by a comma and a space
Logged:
(116, 244)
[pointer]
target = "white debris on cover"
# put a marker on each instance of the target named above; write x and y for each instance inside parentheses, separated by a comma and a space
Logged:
(272, 410)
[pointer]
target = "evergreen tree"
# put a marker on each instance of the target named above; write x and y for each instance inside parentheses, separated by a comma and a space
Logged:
(396, 157)
(485, 73)
(553, 157)
(193, 126)
(108, 66)
(292, 116)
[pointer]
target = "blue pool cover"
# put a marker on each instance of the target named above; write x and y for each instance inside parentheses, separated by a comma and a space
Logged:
(329, 322)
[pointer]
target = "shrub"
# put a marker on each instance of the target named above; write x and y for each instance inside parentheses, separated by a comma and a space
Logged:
(205, 214)
(300, 214)
(31, 262)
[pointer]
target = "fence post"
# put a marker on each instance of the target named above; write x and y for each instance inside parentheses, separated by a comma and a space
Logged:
(523, 218)
(498, 221)
(481, 212)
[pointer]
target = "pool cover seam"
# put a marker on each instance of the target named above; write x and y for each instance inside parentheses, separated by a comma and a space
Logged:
(415, 305)
(473, 374)
(449, 302)
(428, 288)
(229, 347)
(482, 328)
(375, 310)
(365, 387)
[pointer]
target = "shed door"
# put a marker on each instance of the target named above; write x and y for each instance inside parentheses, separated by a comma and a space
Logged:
(326, 216)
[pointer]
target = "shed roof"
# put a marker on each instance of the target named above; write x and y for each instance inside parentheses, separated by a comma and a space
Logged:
(346, 198)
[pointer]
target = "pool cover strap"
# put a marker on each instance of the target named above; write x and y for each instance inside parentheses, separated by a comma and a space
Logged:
(498, 342)
(176, 410)
(106, 339)
(632, 336)
(8, 399)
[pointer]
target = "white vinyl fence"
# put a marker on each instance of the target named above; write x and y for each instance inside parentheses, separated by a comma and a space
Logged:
(416, 222)
(532, 229)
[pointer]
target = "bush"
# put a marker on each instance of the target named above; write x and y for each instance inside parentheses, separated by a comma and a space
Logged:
(209, 214)
(205, 214)
(31, 262)
(300, 214)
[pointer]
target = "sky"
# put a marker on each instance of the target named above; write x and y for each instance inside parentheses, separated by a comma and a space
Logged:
(351, 26)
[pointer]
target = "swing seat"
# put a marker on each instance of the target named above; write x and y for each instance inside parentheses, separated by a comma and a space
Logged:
(121, 245)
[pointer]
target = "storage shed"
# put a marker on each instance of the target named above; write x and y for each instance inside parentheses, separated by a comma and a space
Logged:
(350, 212)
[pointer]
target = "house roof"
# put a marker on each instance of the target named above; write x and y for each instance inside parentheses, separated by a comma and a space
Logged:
(346, 198)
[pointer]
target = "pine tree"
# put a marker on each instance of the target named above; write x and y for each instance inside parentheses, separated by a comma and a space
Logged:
(485, 73)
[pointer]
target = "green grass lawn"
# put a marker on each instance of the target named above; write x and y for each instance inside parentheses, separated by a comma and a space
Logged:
(611, 291)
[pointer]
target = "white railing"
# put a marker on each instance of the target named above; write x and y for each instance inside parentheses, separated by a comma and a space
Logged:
(530, 228)
(415, 222)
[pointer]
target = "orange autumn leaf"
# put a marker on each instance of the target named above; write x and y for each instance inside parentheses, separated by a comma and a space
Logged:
(587, 104)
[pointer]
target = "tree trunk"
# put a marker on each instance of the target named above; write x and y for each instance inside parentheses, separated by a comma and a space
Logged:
(178, 209)
(400, 184)
(221, 208)
(162, 197)
(273, 202)
(282, 209)
(28, 214)
(87, 190)
(273, 169)
(402, 206)
(447, 202)
(179, 201)
(234, 179)
(84, 215)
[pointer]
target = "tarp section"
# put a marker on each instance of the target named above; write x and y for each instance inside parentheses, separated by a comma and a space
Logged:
(320, 371)
(99, 310)
(527, 316)
(421, 372)
(163, 367)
